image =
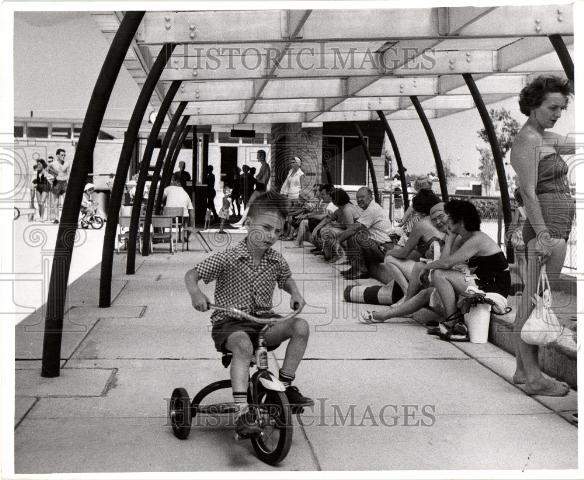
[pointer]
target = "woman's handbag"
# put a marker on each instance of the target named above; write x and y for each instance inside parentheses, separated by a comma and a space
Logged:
(542, 326)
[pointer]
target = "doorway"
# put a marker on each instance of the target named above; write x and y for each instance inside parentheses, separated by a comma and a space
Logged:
(228, 163)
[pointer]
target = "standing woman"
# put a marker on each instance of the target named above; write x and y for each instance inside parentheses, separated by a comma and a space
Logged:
(293, 183)
(42, 186)
(550, 210)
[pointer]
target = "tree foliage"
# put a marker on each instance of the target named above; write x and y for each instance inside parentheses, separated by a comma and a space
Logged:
(506, 128)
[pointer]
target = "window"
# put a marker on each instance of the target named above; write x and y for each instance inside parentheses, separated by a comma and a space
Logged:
(61, 132)
(37, 132)
(345, 160)
(18, 131)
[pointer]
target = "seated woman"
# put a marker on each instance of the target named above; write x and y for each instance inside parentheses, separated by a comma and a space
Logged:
(486, 261)
(347, 213)
(401, 260)
(411, 217)
(464, 244)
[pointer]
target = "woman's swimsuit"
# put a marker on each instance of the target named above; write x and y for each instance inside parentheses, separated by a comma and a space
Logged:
(492, 273)
(553, 193)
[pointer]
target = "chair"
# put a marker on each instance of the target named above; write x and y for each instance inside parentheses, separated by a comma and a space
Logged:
(177, 220)
(124, 222)
(162, 222)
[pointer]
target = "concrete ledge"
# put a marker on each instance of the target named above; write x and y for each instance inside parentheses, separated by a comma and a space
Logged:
(557, 360)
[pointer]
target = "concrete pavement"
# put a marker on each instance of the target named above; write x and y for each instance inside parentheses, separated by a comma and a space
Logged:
(388, 397)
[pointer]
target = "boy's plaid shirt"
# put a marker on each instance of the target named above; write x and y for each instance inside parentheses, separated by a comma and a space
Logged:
(239, 283)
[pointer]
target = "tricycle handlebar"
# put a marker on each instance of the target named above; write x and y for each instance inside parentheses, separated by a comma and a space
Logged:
(264, 321)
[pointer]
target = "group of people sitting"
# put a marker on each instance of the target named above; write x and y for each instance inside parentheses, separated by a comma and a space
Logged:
(437, 261)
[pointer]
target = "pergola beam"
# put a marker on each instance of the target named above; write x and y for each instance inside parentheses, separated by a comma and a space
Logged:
(432, 62)
(266, 26)
(295, 20)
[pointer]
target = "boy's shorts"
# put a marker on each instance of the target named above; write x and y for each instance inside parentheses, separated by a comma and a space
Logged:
(221, 331)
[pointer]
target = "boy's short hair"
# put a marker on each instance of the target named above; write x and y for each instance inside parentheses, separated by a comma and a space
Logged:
(269, 202)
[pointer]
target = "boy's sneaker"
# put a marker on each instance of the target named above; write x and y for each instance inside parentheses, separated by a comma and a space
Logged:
(246, 425)
(296, 399)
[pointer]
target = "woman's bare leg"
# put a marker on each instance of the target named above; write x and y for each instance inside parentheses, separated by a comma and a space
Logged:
(528, 369)
(421, 300)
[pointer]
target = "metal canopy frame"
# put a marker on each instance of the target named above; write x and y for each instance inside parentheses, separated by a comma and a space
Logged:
(294, 66)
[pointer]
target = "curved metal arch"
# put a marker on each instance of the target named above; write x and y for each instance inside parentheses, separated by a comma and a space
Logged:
(563, 55)
(369, 162)
(400, 166)
(117, 192)
(144, 166)
(164, 156)
(154, 182)
(72, 204)
(170, 160)
(434, 146)
(497, 157)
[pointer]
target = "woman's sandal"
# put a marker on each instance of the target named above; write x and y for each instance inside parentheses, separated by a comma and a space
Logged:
(453, 329)
(366, 317)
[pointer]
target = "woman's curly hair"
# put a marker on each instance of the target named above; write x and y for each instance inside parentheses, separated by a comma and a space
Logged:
(532, 95)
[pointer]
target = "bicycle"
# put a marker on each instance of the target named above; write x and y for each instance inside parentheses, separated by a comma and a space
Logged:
(265, 394)
(90, 219)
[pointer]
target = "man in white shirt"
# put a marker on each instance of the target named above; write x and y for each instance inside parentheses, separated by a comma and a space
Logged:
(174, 196)
(367, 239)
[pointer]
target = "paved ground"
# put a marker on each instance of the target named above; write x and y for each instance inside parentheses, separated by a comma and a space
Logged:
(387, 398)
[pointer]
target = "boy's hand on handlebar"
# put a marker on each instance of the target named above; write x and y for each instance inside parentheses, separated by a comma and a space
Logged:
(297, 302)
(200, 302)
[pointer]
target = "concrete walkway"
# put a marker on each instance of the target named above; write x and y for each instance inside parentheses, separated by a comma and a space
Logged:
(388, 397)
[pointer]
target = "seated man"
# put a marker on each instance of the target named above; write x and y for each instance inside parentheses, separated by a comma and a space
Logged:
(325, 216)
(175, 196)
(322, 209)
(367, 239)
(346, 214)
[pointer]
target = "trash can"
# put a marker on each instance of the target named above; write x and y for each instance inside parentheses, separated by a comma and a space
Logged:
(477, 320)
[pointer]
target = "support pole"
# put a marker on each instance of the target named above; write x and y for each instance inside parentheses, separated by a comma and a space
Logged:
(171, 133)
(195, 161)
(108, 74)
(434, 146)
(563, 55)
(400, 166)
(497, 157)
(369, 162)
(144, 167)
(115, 202)
(169, 164)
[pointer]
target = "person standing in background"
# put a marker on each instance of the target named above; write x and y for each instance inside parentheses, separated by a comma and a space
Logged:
(60, 169)
(263, 176)
(211, 192)
(184, 175)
